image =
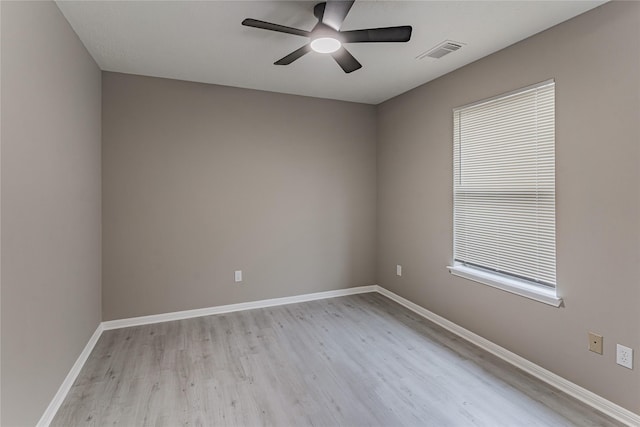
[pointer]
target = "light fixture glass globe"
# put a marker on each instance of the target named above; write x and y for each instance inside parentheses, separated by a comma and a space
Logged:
(325, 45)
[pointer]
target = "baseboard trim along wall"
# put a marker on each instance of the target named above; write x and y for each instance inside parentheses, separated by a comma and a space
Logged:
(188, 314)
(597, 402)
(62, 392)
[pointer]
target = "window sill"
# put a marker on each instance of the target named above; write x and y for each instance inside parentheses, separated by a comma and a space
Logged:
(515, 286)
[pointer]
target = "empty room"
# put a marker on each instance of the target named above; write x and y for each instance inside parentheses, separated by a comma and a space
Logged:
(305, 213)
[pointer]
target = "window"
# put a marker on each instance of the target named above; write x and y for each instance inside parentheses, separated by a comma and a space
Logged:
(504, 192)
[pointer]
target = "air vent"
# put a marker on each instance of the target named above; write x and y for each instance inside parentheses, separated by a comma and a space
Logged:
(441, 50)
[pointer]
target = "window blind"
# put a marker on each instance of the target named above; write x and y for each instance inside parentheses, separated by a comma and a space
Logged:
(504, 184)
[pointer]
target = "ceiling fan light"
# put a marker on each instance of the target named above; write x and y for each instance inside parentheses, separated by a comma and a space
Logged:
(325, 44)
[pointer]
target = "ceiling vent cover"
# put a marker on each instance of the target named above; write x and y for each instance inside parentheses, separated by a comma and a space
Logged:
(444, 48)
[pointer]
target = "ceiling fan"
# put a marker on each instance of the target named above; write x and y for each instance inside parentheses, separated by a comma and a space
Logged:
(326, 37)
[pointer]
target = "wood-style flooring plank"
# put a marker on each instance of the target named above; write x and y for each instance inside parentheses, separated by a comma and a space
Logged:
(360, 360)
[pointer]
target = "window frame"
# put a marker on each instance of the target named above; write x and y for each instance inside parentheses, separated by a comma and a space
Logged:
(508, 282)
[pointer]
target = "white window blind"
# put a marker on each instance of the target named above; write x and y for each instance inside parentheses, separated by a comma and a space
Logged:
(504, 184)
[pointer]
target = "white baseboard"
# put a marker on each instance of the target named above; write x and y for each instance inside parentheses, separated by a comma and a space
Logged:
(61, 394)
(187, 314)
(595, 401)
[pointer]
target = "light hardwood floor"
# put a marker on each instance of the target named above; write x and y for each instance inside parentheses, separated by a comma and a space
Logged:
(350, 361)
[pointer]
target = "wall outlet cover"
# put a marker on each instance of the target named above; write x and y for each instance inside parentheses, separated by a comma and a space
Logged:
(595, 343)
(624, 356)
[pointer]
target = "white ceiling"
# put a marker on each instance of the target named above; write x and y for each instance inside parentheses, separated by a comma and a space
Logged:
(203, 41)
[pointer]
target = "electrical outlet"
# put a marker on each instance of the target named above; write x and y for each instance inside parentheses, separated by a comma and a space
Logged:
(238, 276)
(624, 356)
(595, 343)
(398, 270)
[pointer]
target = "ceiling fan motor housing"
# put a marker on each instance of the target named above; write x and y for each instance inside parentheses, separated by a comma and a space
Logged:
(331, 15)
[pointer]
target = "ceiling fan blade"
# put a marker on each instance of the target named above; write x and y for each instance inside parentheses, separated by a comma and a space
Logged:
(318, 11)
(335, 12)
(378, 35)
(345, 60)
(296, 54)
(274, 27)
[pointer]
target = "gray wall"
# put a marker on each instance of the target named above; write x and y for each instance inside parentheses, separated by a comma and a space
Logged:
(50, 205)
(595, 59)
(201, 180)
